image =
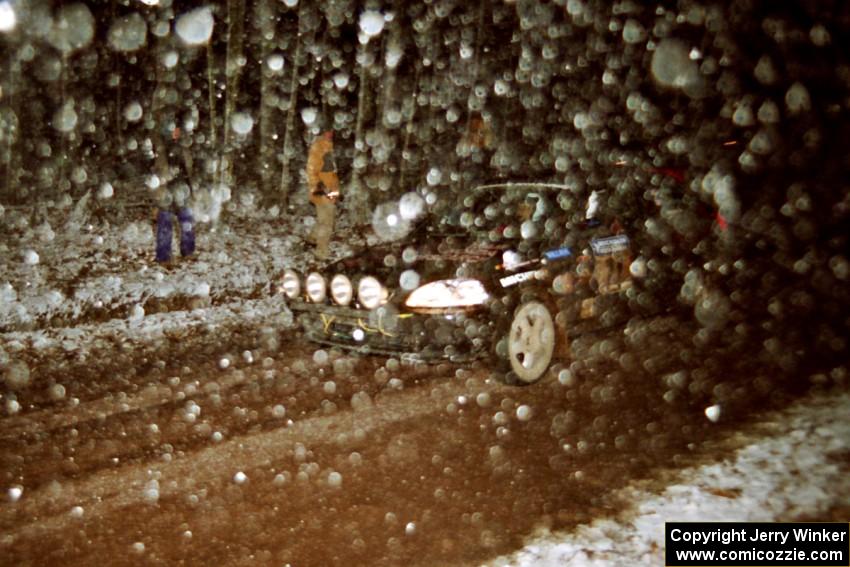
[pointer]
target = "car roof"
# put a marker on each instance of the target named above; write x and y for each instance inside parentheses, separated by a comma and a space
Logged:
(523, 185)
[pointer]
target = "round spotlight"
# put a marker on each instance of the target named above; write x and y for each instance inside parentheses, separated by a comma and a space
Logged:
(341, 289)
(291, 284)
(370, 292)
(317, 288)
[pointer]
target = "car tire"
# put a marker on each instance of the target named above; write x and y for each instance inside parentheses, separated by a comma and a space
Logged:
(533, 340)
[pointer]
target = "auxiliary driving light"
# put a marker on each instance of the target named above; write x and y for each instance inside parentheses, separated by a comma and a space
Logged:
(341, 289)
(317, 288)
(370, 292)
(291, 284)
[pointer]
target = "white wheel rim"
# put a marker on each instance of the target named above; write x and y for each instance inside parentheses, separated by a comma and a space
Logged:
(531, 341)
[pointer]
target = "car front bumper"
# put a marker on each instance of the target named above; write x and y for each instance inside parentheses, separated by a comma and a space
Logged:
(410, 335)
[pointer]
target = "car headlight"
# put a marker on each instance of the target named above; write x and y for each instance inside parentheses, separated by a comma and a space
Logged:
(341, 289)
(291, 284)
(316, 287)
(448, 293)
(370, 292)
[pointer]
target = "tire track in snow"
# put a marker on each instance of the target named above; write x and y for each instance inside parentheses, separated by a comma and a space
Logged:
(107, 491)
(45, 421)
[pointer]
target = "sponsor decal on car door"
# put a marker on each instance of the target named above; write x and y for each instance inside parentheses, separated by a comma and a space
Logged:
(517, 278)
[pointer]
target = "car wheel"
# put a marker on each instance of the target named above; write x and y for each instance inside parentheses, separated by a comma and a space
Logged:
(531, 341)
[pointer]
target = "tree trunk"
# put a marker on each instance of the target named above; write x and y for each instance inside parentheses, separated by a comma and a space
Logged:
(233, 69)
(211, 92)
(63, 184)
(119, 135)
(159, 165)
(389, 101)
(475, 62)
(10, 122)
(409, 126)
(359, 199)
(266, 26)
(289, 132)
(385, 79)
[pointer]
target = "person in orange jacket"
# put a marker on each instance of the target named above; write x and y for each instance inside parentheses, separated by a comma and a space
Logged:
(323, 184)
(479, 135)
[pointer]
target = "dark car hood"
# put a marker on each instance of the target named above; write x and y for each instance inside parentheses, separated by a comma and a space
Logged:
(433, 255)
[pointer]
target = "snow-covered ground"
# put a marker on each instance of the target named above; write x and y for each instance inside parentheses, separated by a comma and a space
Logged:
(790, 465)
(73, 273)
(73, 280)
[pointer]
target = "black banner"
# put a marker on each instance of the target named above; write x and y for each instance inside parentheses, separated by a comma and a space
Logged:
(757, 544)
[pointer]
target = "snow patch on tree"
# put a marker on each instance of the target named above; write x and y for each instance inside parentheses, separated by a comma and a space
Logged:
(195, 27)
(128, 33)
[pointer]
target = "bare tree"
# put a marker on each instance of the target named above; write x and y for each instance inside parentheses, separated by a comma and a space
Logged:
(289, 132)
(358, 207)
(389, 111)
(475, 68)
(266, 26)
(10, 126)
(63, 184)
(119, 134)
(409, 110)
(233, 70)
(211, 92)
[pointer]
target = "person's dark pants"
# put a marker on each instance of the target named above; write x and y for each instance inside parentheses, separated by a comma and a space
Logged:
(187, 232)
(165, 231)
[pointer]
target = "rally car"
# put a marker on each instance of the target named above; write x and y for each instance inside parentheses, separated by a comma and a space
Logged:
(499, 274)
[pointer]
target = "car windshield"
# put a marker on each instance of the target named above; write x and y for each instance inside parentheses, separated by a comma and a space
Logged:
(511, 212)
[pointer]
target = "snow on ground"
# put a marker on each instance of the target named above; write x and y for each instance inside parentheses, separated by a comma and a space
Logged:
(786, 467)
(72, 279)
(74, 272)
